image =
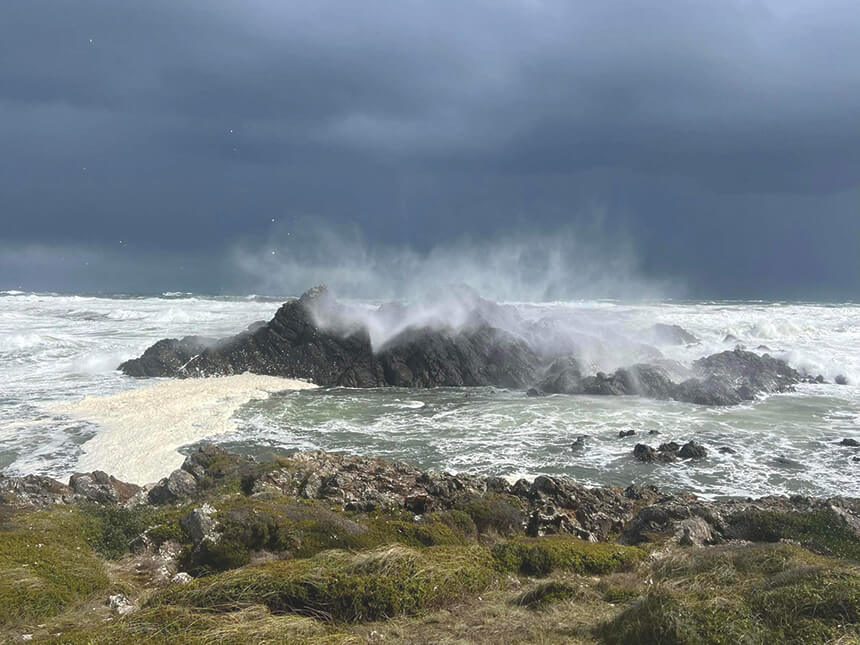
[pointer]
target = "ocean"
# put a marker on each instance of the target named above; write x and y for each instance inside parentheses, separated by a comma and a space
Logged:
(64, 407)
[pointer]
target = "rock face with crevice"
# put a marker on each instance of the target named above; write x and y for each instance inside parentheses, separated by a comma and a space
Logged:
(318, 339)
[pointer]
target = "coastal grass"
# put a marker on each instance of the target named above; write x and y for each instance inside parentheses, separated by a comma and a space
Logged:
(345, 586)
(46, 563)
(303, 528)
(540, 556)
(822, 531)
(742, 594)
(172, 625)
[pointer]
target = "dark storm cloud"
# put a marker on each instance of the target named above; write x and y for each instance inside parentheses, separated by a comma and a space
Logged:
(723, 137)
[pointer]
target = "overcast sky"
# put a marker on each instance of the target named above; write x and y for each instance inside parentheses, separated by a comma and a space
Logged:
(147, 146)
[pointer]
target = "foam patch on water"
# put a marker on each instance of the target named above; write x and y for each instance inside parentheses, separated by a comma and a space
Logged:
(142, 429)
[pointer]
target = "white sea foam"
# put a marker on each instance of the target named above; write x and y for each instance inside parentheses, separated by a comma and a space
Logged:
(141, 429)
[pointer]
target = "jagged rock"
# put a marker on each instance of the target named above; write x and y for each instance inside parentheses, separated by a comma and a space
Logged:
(200, 525)
(670, 446)
(533, 392)
(692, 450)
(314, 338)
(626, 433)
(662, 334)
(652, 432)
(100, 487)
(167, 357)
(34, 490)
(726, 450)
(850, 443)
(179, 485)
(579, 442)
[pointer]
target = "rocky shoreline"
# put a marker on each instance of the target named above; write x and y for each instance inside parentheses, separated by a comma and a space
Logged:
(544, 506)
(226, 534)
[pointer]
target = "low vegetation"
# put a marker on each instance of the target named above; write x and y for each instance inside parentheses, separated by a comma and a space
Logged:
(286, 570)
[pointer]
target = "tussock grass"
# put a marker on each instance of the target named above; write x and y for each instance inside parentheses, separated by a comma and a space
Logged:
(302, 529)
(173, 625)
(46, 564)
(743, 594)
(345, 586)
(821, 531)
(540, 556)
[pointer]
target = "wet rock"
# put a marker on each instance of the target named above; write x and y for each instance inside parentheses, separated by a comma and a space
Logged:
(179, 485)
(726, 450)
(316, 338)
(626, 433)
(533, 392)
(646, 454)
(319, 339)
(662, 334)
(782, 460)
(563, 376)
(841, 379)
(692, 450)
(653, 432)
(850, 443)
(200, 525)
(102, 488)
(670, 446)
(168, 357)
(579, 442)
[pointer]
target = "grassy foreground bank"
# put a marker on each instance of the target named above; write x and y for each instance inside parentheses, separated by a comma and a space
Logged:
(283, 569)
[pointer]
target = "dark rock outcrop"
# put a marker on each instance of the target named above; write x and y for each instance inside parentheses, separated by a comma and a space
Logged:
(293, 344)
(321, 340)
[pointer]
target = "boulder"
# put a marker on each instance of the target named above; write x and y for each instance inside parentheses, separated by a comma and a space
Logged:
(102, 488)
(200, 525)
(178, 486)
(692, 450)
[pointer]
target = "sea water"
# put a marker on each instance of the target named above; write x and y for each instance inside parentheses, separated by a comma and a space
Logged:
(64, 407)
